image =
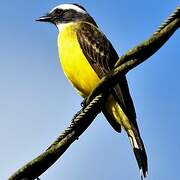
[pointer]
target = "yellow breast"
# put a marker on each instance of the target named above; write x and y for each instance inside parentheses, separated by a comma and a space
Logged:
(78, 70)
(75, 65)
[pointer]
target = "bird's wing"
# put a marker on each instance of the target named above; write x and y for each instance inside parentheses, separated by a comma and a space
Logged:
(102, 57)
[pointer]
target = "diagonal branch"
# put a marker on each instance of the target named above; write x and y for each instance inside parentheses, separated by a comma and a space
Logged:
(96, 99)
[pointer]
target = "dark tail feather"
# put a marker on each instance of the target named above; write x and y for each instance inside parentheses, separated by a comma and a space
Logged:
(139, 152)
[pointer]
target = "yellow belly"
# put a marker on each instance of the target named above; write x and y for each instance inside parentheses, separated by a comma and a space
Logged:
(80, 73)
(75, 65)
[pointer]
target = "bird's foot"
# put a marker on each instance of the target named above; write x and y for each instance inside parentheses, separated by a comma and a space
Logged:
(83, 103)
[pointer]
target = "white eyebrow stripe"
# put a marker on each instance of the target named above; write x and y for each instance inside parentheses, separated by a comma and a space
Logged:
(69, 6)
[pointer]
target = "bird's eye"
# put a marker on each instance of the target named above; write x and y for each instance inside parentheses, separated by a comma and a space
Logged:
(58, 11)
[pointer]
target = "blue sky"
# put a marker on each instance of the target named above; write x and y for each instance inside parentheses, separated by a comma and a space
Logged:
(37, 102)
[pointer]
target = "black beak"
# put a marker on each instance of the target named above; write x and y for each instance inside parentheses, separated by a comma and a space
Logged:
(46, 18)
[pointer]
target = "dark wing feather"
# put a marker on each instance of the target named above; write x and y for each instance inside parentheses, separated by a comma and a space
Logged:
(102, 57)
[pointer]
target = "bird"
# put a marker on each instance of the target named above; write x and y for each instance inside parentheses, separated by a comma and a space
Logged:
(86, 56)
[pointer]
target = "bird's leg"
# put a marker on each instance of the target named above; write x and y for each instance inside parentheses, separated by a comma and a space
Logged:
(83, 103)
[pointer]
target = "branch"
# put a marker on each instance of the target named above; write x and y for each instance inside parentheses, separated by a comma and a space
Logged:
(36, 167)
(96, 99)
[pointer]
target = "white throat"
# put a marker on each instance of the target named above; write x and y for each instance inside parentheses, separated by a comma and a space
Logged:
(61, 26)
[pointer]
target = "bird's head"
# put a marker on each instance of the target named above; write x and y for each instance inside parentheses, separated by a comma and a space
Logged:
(67, 13)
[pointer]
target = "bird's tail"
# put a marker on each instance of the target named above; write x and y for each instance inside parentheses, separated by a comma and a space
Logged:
(118, 118)
(139, 151)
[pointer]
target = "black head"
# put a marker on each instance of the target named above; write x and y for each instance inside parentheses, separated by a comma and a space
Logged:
(67, 13)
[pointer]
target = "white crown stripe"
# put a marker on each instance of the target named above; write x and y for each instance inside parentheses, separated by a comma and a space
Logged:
(69, 6)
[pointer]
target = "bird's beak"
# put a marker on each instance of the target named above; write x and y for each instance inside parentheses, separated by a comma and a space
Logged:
(46, 18)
